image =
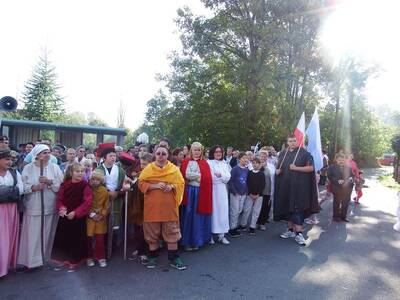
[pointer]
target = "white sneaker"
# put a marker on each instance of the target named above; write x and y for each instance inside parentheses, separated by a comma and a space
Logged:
(311, 221)
(211, 242)
(90, 262)
(263, 227)
(224, 240)
(102, 263)
(288, 234)
(300, 239)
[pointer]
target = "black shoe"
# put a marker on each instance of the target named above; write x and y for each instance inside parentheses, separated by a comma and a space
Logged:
(345, 220)
(21, 269)
(242, 228)
(252, 231)
(234, 233)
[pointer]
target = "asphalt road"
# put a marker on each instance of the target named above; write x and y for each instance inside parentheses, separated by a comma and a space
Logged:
(358, 260)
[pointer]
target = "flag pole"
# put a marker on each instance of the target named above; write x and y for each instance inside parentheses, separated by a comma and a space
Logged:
(283, 158)
(297, 153)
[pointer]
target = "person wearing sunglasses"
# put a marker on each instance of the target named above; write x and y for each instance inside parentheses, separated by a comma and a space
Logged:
(197, 201)
(48, 183)
(162, 184)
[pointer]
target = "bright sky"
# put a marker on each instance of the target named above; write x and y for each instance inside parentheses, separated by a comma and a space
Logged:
(108, 51)
(103, 51)
(368, 29)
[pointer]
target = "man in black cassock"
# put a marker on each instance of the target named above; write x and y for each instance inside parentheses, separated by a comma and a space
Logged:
(296, 195)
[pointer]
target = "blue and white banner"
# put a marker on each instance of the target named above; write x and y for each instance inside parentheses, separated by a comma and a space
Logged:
(314, 141)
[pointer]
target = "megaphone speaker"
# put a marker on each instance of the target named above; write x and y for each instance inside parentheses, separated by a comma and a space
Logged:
(8, 103)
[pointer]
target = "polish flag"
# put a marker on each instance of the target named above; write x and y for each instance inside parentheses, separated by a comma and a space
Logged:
(300, 130)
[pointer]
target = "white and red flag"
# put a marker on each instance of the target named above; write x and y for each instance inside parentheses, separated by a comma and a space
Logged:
(300, 131)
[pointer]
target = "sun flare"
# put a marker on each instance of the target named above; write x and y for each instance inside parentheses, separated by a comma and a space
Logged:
(367, 30)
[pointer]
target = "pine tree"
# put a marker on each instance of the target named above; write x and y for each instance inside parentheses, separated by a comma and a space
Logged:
(41, 98)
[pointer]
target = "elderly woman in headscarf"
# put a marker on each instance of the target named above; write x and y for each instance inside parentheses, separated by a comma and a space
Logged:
(42, 181)
(197, 200)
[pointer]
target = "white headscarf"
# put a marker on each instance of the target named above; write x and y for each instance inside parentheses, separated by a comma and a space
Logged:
(37, 149)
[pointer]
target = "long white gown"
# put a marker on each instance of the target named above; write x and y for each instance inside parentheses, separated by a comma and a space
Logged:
(30, 244)
(272, 170)
(220, 208)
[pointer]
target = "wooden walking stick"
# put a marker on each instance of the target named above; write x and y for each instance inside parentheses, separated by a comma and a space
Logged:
(42, 216)
(128, 186)
(125, 223)
(110, 229)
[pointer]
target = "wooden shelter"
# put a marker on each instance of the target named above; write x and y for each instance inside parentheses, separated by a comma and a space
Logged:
(23, 131)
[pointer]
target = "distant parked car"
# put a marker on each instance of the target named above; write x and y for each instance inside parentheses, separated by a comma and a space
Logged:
(387, 159)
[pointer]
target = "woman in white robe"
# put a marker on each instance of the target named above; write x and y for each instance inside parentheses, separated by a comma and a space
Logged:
(220, 206)
(30, 253)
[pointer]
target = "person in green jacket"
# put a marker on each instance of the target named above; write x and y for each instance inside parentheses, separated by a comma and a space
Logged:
(114, 177)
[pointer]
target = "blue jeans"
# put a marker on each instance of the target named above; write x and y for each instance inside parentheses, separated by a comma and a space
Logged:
(297, 218)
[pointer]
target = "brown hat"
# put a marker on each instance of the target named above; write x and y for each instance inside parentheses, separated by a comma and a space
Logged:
(5, 153)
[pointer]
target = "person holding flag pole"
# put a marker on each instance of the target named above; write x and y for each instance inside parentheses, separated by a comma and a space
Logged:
(296, 196)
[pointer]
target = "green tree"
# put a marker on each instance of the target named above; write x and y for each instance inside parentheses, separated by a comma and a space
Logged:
(41, 98)
(249, 69)
(94, 120)
(251, 66)
(396, 148)
(76, 118)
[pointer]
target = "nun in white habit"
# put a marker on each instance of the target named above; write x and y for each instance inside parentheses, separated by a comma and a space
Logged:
(30, 254)
(221, 174)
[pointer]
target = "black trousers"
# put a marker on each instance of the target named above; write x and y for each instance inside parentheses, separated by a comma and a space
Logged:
(265, 209)
(140, 243)
(341, 200)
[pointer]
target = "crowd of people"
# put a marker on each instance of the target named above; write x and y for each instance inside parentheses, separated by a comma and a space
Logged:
(62, 207)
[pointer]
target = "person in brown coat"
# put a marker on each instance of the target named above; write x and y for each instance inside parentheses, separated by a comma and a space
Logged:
(96, 222)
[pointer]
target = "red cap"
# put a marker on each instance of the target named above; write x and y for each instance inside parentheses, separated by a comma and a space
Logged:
(104, 146)
(126, 158)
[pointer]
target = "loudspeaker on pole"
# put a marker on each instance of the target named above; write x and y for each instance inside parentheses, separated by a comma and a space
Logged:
(8, 104)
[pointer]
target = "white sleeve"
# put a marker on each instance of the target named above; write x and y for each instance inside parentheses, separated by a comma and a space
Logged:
(215, 179)
(20, 184)
(226, 174)
(28, 180)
